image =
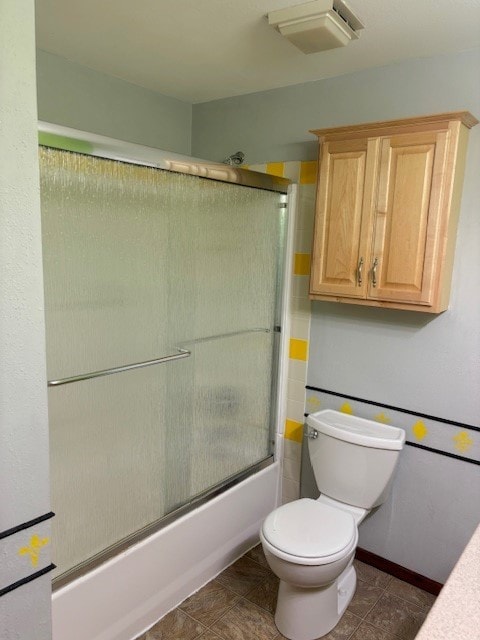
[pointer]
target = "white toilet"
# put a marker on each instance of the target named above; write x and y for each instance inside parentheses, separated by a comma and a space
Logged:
(310, 544)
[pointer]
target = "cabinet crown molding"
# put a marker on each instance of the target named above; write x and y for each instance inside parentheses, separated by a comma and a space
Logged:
(437, 121)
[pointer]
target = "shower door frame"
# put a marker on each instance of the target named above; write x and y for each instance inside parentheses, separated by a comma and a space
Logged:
(81, 142)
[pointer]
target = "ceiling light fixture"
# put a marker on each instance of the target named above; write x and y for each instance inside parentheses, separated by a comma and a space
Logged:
(317, 26)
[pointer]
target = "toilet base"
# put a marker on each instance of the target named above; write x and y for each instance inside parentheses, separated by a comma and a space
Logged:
(307, 614)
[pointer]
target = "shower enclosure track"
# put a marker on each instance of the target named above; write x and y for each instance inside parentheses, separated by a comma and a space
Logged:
(91, 144)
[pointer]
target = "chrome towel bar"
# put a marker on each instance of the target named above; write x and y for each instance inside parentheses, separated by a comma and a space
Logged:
(182, 353)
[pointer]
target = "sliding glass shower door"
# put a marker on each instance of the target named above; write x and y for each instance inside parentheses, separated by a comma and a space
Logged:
(141, 264)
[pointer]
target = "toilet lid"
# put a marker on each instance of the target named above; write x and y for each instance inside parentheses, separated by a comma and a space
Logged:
(309, 529)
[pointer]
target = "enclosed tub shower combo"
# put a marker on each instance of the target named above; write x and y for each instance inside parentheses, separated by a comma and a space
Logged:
(163, 293)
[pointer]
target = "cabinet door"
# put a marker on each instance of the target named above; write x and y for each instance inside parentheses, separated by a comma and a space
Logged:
(343, 218)
(412, 168)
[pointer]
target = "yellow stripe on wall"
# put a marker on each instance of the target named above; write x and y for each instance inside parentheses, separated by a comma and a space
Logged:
(275, 168)
(293, 430)
(308, 172)
(298, 349)
(301, 265)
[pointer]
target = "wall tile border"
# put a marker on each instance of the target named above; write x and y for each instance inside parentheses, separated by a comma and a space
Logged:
(430, 433)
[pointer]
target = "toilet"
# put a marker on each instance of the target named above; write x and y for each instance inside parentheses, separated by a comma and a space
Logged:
(310, 544)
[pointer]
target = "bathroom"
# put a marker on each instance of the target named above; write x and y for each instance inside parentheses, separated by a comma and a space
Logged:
(427, 366)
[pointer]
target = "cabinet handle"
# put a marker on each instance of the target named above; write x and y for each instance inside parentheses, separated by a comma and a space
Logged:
(374, 272)
(359, 272)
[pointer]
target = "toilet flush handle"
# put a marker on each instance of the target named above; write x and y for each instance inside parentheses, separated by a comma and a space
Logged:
(312, 434)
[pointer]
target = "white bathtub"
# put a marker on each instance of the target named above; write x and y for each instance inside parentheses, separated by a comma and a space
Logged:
(130, 592)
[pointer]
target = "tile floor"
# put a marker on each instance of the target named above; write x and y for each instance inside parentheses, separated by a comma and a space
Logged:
(239, 603)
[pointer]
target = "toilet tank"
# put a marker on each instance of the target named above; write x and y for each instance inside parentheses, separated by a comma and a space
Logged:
(353, 459)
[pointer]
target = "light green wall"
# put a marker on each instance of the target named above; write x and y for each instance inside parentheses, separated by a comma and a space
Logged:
(75, 96)
(273, 125)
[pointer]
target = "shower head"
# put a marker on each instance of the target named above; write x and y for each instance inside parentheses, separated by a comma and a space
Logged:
(235, 159)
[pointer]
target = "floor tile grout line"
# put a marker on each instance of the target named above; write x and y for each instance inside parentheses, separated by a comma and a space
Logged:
(260, 564)
(385, 589)
(373, 605)
(210, 628)
(263, 610)
(356, 628)
(234, 604)
(229, 608)
(259, 606)
(194, 620)
(390, 577)
(424, 608)
(395, 636)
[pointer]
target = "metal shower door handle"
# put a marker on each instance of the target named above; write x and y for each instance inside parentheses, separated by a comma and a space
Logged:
(182, 353)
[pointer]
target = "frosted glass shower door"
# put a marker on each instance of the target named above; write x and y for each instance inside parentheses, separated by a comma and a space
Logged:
(141, 264)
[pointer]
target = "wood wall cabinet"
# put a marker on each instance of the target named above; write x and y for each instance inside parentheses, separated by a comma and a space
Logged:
(388, 198)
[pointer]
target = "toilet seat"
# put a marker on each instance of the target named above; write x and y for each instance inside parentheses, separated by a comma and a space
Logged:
(309, 532)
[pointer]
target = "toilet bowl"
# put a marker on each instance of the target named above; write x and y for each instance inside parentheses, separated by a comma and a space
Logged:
(310, 544)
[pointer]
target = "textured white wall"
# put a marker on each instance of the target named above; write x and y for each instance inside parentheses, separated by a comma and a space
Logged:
(25, 612)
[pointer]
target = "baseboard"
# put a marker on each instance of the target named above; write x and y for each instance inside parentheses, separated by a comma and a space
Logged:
(396, 570)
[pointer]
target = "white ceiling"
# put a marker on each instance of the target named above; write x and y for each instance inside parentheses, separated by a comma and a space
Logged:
(200, 50)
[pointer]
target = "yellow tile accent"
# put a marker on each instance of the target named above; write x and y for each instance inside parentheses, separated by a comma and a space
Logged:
(33, 549)
(346, 408)
(382, 417)
(275, 168)
(244, 166)
(293, 430)
(301, 265)
(419, 430)
(308, 172)
(463, 442)
(298, 349)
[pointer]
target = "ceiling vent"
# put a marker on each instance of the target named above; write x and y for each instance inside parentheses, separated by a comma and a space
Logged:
(317, 26)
